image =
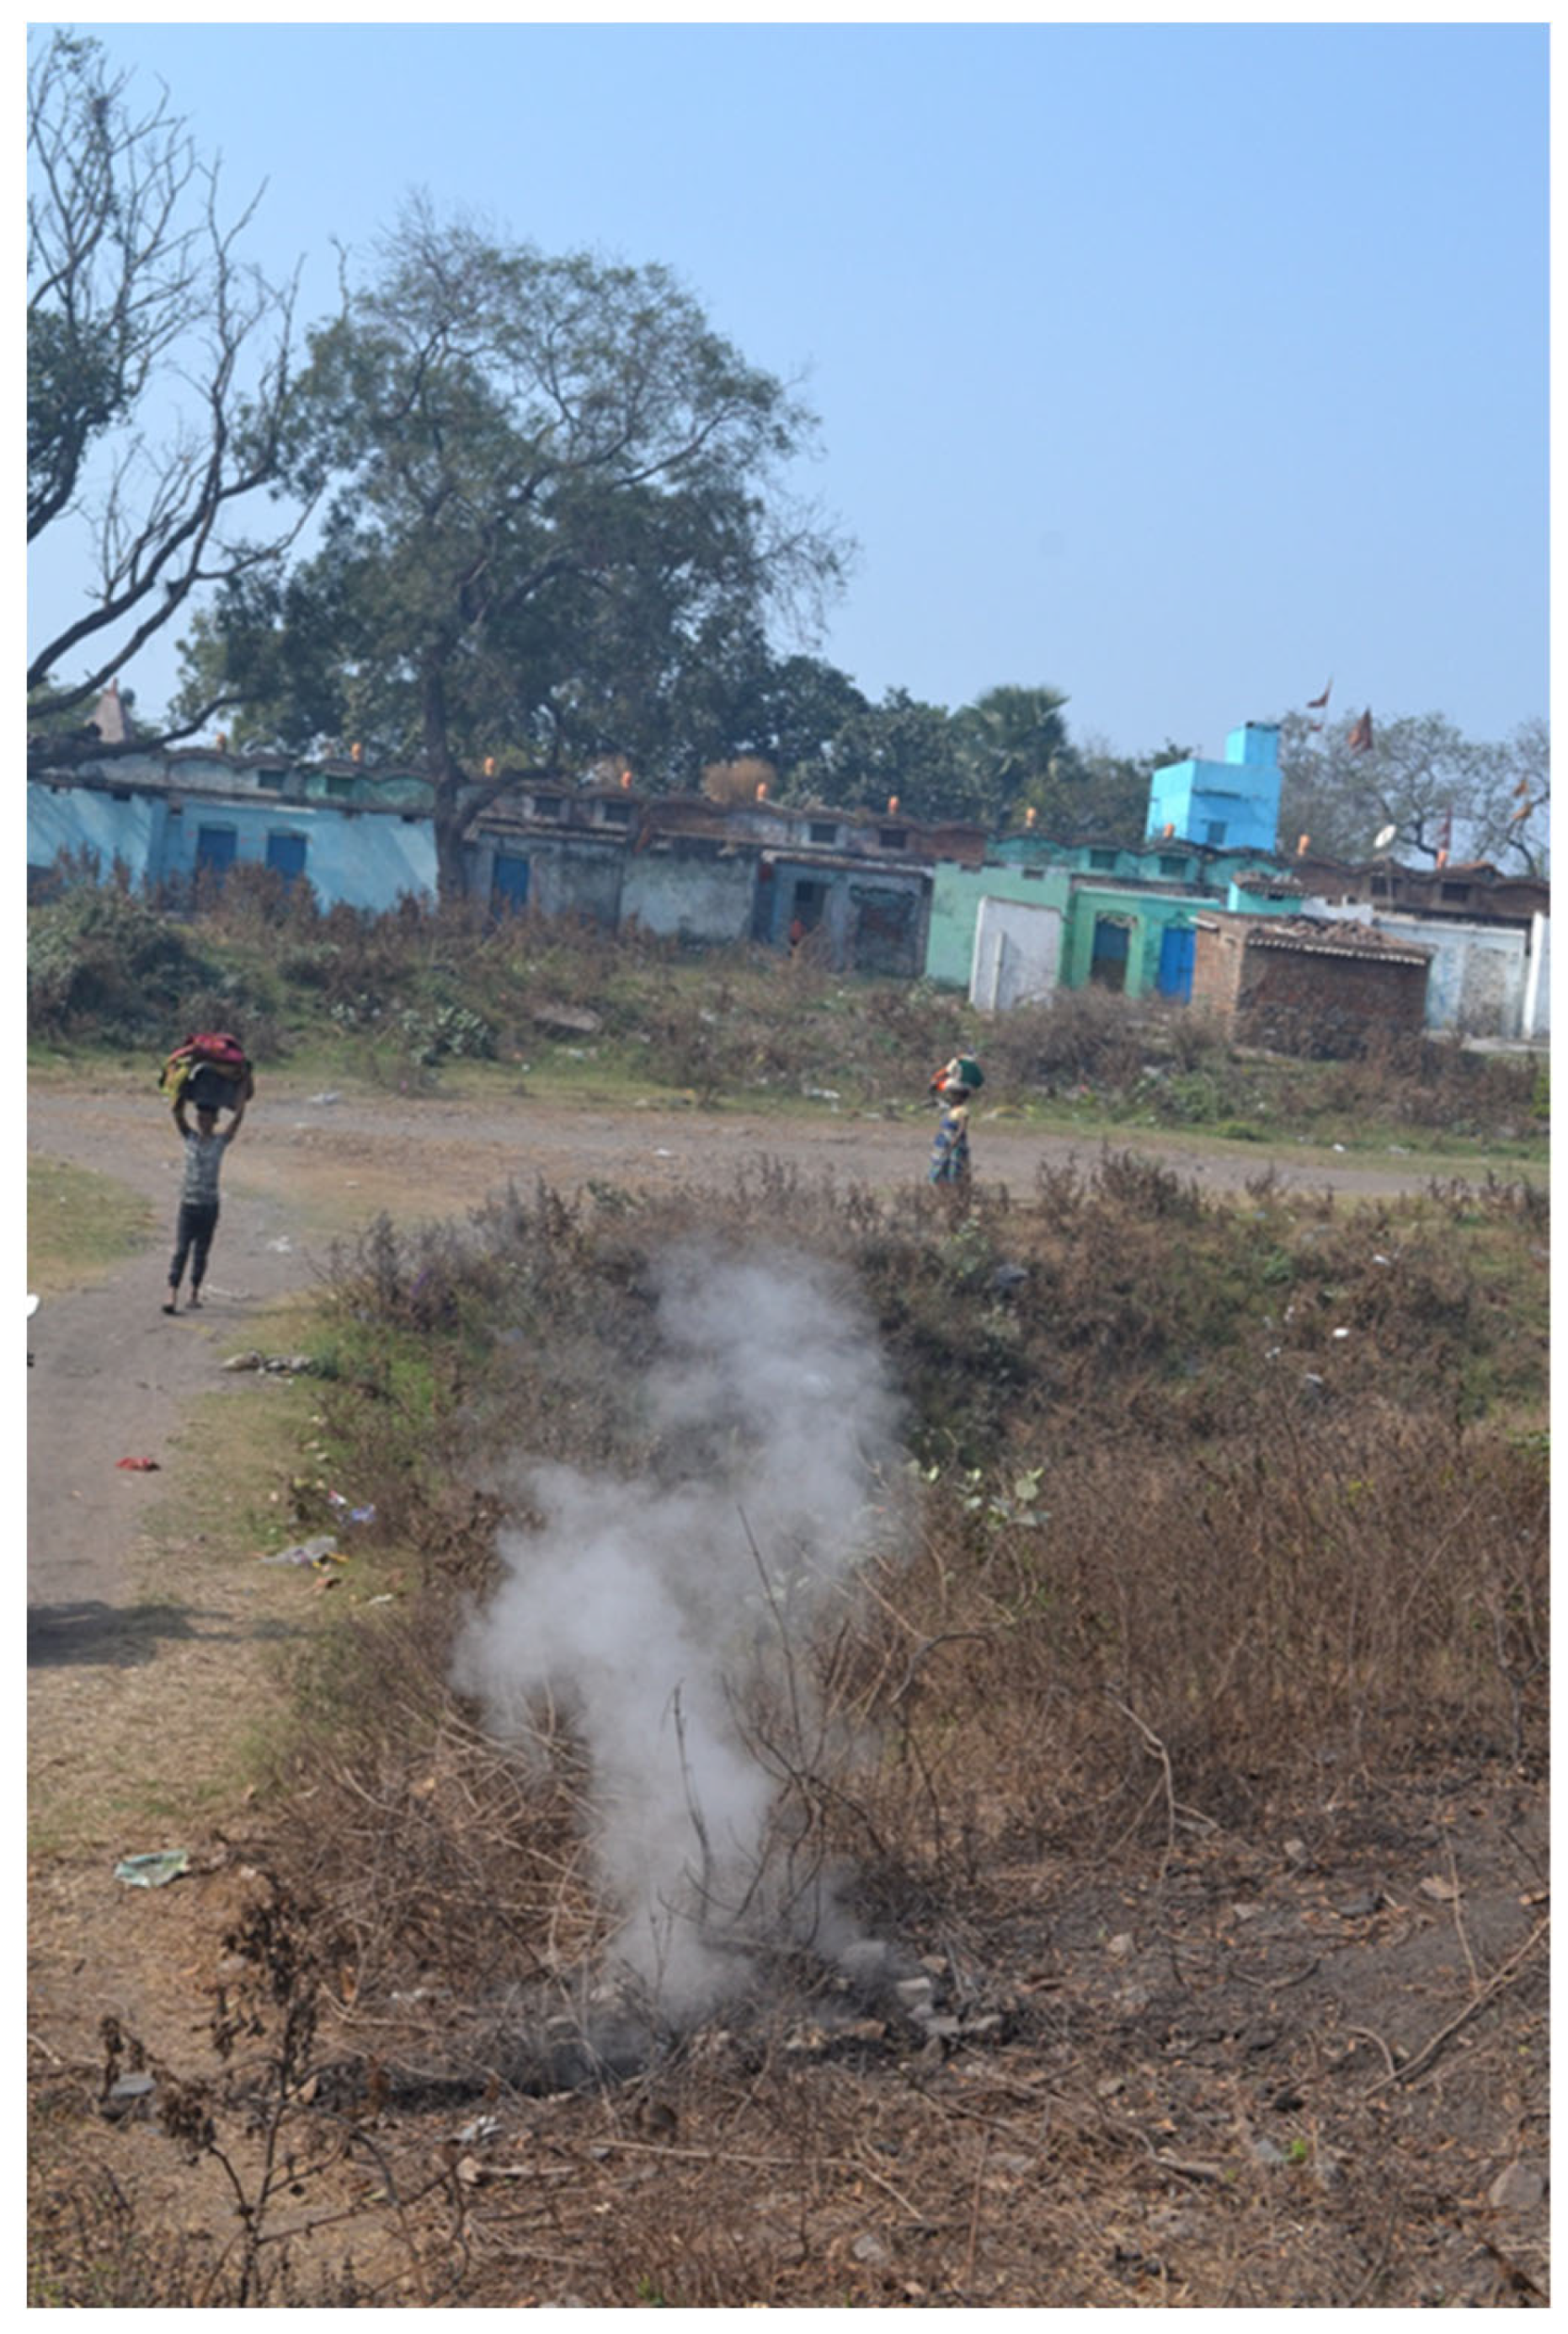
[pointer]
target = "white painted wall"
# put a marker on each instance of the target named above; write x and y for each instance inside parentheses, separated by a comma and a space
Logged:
(1017, 954)
(1536, 1015)
(1478, 983)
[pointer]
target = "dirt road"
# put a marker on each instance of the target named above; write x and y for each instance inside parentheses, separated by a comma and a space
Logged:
(113, 1375)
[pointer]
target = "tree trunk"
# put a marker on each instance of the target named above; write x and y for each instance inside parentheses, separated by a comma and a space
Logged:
(449, 807)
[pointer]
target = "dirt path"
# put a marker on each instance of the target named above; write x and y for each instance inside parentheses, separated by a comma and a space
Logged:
(114, 1377)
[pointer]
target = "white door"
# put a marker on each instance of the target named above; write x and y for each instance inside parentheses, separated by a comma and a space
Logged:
(1017, 954)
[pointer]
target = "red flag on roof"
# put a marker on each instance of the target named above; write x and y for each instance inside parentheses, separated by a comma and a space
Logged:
(1359, 740)
(1316, 703)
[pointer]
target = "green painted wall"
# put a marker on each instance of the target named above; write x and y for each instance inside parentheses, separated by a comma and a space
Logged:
(956, 896)
(956, 893)
(1150, 912)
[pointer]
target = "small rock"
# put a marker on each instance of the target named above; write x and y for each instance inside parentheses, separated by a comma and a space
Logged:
(1297, 1851)
(130, 2095)
(1518, 2188)
(871, 2250)
(1120, 1947)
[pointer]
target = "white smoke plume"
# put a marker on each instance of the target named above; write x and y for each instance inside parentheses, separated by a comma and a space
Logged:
(644, 1608)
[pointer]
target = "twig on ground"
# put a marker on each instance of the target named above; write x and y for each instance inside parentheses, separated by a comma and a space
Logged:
(1497, 1984)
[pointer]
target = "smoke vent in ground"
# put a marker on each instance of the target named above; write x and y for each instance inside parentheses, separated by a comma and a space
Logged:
(669, 1623)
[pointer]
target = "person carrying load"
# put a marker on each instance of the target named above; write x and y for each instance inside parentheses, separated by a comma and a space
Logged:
(208, 1073)
(952, 1086)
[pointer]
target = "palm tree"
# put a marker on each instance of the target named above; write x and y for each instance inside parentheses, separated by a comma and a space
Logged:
(1013, 742)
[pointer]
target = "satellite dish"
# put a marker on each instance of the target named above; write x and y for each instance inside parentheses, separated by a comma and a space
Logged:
(1383, 837)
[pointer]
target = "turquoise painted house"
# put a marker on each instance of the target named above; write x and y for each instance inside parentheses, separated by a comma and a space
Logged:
(1230, 805)
(1128, 912)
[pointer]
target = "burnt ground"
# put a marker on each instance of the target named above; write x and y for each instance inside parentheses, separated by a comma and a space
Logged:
(1302, 2065)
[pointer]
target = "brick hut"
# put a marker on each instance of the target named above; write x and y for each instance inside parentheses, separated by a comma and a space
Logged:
(1299, 985)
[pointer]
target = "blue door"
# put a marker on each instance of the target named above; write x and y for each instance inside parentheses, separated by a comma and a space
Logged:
(286, 853)
(1178, 948)
(508, 883)
(215, 850)
(1108, 959)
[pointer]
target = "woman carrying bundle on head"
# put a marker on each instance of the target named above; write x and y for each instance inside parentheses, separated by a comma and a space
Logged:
(952, 1086)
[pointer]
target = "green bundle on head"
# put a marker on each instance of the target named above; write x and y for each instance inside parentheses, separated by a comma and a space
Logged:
(961, 1076)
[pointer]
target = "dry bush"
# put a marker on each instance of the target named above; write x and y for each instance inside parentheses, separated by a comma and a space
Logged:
(1166, 1649)
(1179, 1555)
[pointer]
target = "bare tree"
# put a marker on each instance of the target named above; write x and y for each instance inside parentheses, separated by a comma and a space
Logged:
(137, 299)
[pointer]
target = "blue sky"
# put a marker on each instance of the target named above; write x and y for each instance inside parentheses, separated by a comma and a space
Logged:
(1179, 367)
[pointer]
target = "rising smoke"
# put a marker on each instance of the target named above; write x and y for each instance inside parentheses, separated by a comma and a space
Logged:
(663, 1615)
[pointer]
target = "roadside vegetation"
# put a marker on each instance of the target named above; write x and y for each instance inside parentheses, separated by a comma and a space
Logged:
(422, 1001)
(79, 1224)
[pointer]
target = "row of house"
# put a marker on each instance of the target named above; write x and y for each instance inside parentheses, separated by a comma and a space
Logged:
(1205, 908)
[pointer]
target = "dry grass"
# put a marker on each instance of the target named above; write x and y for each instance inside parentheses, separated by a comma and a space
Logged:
(1175, 1570)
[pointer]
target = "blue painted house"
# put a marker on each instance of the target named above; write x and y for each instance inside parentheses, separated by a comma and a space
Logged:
(1230, 805)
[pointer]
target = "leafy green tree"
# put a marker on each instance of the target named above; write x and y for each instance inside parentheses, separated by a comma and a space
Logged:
(1103, 797)
(1014, 749)
(134, 287)
(554, 496)
(901, 750)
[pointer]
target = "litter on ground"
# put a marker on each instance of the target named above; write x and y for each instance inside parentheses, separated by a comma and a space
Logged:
(155, 1870)
(320, 1550)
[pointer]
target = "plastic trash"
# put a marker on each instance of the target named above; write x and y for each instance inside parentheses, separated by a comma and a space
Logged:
(155, 1870)
(306, 1551)
(138, 1466)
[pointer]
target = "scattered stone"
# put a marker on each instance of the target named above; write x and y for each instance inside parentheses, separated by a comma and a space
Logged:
(1120, 1947)
(871, 2250)
(1441, 1891)
(1297, 1851)
(576, 1019)
(1518, 2188)
(130, 2095)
